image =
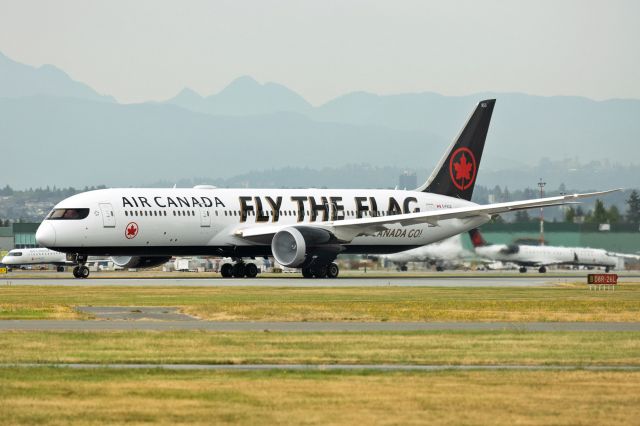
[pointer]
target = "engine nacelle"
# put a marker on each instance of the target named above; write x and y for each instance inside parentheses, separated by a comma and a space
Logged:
(139, 261)
(290, 246)
(511, 249)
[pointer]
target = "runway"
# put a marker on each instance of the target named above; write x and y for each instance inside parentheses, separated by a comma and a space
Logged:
(537, 280)
(326, 367)
(308, 326)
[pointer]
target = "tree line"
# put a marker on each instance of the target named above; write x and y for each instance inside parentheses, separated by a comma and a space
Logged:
(599, 214)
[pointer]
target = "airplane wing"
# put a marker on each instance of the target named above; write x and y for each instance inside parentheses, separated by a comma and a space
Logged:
(625, 255)
(347, 230)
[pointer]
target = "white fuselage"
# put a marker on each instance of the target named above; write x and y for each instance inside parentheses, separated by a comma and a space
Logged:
(547, 255)
(206, 221)
(447, 250)
(34, 256)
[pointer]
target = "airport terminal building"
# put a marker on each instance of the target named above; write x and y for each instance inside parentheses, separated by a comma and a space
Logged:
(620, 238)
(18, 235)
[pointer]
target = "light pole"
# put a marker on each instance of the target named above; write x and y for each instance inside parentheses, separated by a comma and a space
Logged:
(541, 184)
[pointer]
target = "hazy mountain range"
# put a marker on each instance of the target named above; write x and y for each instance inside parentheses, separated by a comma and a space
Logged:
(56, 131)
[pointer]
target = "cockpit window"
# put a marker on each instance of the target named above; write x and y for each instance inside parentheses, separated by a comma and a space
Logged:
(68, 214)
(15, 253)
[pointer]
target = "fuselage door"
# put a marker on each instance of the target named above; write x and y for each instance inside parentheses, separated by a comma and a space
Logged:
(205, 218)
(108, 218)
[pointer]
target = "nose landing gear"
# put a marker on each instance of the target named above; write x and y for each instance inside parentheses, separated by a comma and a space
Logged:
(81, 270)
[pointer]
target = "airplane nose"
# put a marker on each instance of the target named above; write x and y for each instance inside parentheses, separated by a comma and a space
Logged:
(46, 235)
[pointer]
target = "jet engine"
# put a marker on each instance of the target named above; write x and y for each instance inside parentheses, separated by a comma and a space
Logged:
(510, 249)
(139, 262)
(291, 246)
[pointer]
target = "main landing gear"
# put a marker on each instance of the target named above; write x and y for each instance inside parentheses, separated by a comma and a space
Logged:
(542, 269)
(239, 269)
(321, 271)
(523, 270)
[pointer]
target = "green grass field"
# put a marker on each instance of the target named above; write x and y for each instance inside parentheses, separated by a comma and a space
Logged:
(50, 396)
(561, 303)
(432, 347)
(60, 396)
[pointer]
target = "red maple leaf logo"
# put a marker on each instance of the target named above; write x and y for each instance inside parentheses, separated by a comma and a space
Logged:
(131, 231)
(463, 169)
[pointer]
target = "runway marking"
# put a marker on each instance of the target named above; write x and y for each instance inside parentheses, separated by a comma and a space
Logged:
(326, 367)
(310, 326)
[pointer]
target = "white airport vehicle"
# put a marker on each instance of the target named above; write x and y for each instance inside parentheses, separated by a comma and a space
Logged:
(443, 253)
(542, 256)
(300, 228)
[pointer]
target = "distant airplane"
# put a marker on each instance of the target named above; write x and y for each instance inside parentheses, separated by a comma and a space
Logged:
(301, 228)
(45, 256)
(36, 256)
(443, 253)
(541, 256)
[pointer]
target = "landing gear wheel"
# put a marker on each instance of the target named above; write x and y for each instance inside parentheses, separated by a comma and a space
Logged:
(226, 270)
(542, 269)
(250, 270)
(606, 269)
(319, 271)
(332, 270)
(439, 268)
(76, 271)
(404, 268)
(523, 270)
(83, 271)
(60, 268)
(306, 273)
(238, 270)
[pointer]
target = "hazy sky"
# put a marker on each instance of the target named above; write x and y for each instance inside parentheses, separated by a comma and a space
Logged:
(149, 50)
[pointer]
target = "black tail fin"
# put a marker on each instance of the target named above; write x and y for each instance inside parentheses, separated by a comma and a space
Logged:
(476, 238)
(455, 175)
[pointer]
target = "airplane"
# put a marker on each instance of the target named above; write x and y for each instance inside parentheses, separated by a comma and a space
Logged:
(45, 256)
(300, 228)
(35, 256)
(541, 256)
(441, 253)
